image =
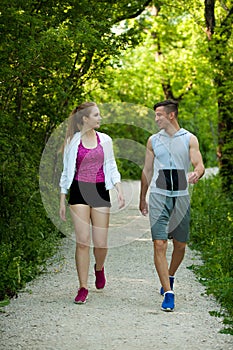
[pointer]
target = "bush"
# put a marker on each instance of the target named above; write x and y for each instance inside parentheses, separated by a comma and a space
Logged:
(27, 237)
(211, 234)
(25, 247)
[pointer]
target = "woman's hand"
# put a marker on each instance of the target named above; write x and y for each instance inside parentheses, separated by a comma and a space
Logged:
(120, 196)
(121, 200)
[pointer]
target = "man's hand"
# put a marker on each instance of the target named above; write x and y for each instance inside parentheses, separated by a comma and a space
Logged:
(193, 177)
(143, 207)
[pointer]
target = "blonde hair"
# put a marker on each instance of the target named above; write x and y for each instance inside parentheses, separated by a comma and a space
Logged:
(75, 120)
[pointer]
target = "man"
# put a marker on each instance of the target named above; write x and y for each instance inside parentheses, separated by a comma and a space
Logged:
(166, 171)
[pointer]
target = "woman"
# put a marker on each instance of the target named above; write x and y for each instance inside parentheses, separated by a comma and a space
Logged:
(89, 172)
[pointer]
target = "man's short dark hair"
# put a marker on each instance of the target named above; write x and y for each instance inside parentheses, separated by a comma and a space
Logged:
(170, 106)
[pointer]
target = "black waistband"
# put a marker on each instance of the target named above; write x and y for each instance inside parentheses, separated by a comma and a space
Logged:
(172, 180)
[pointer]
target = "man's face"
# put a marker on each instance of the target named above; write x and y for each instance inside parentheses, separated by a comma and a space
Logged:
(162, 117)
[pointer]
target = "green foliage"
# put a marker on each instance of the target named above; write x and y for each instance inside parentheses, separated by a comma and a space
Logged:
(57, 54)
(26, 235)
(211, 234)
(49, 51)
(22, 261)
(220, 45)
(130, 126)
(167, 65)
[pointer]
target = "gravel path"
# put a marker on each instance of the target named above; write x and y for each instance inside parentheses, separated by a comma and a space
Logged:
(126, 314)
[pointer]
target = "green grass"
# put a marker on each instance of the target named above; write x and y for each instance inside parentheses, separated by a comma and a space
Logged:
(211, 235)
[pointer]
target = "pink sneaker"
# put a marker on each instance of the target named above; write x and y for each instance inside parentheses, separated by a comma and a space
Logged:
(82, 296)
(100, 278)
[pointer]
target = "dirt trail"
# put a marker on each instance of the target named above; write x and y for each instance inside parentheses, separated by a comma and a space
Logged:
(125, 315)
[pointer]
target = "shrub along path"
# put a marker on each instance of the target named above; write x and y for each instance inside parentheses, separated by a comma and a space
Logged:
(125, 315)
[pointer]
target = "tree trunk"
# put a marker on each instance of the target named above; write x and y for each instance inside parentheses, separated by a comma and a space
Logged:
(222, 79)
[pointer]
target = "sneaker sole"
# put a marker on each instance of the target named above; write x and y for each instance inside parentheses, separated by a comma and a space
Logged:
(81, 302)
(98, 288)
(167, 310)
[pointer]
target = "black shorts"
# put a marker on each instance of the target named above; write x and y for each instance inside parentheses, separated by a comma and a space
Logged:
(92, 194)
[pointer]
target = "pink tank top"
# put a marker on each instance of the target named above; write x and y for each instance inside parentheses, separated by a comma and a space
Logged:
(89, 163)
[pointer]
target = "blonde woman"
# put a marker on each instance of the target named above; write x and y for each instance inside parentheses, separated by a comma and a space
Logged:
(89, 172)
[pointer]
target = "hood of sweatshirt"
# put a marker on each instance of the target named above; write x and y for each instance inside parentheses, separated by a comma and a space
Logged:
(179, 133)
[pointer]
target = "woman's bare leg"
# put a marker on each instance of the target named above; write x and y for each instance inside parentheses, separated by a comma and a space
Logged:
(81, 218)
(100, 224)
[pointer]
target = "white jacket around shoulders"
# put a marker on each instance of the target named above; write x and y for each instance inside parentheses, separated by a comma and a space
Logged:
(112, 175)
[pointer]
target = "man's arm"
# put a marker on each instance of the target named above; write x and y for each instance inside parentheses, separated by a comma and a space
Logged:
(196, 160)
(146, 177)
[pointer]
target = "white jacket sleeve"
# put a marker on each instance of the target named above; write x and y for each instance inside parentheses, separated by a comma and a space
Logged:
(63, 179)
(112, 175)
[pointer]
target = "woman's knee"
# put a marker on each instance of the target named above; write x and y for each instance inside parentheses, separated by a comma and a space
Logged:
(100, 237)
(82, 245)
(101, 244)
(83, 238)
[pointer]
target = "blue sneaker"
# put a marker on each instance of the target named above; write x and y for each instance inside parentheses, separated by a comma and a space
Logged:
(171, 278)
(168, 303)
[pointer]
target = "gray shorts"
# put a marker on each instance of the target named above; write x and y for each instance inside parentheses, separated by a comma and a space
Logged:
(169, 217)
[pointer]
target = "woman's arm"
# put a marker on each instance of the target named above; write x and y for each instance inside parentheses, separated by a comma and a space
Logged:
(62, 211)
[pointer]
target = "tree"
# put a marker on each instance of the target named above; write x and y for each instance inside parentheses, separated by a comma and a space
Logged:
(49, 52)
(219, 35)
(171, 62)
